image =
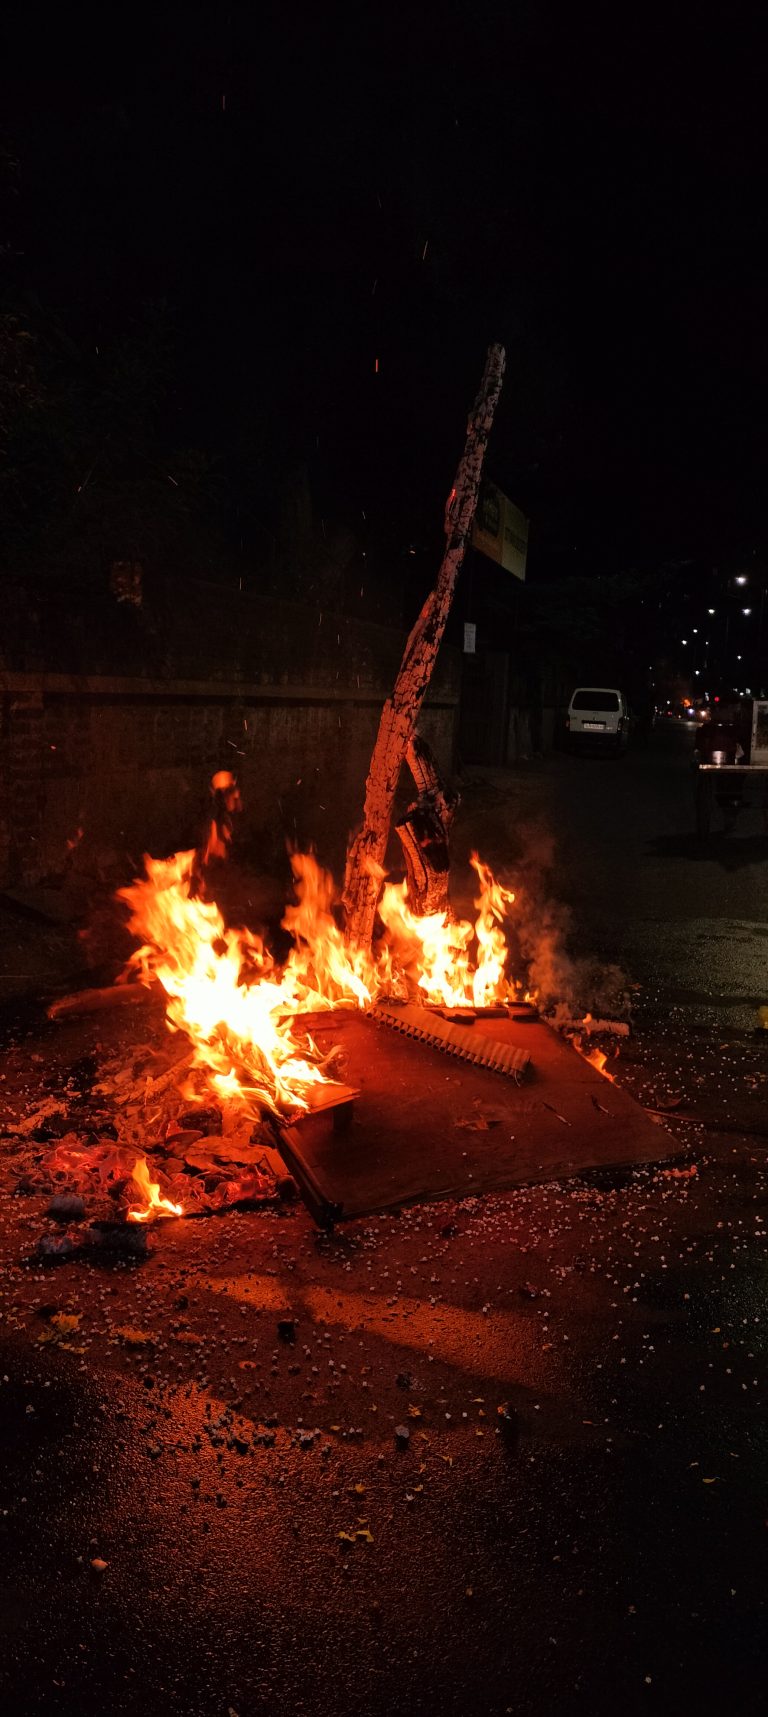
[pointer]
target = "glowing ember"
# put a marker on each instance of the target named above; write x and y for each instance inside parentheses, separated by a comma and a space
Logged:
(110, 1172)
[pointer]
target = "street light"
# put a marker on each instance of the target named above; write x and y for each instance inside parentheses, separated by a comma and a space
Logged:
(746, 610)
(742, 578)
(710, 610)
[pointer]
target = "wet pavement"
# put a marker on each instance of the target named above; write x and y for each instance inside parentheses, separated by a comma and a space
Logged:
(496, 1456)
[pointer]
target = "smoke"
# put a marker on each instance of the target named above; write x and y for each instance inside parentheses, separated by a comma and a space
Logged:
(567, 985)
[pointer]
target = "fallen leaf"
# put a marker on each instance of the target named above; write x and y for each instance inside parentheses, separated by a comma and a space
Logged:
(134, 1337)
(59, 1327)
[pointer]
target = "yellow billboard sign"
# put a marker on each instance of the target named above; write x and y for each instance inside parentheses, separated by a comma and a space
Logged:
(500, 530)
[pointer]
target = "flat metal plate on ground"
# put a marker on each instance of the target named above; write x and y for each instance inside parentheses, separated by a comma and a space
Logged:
(426, 1126)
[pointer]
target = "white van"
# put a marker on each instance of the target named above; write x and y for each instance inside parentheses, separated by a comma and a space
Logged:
(598, 716)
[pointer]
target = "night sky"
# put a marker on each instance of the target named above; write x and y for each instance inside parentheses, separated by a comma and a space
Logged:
(315, 192)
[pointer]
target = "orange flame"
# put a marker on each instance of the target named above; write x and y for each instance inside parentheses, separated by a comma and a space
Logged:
(224, 990)
(435, 950)
(155, 1204)
(106, 1169)
(239, 1010)
(597, 1058)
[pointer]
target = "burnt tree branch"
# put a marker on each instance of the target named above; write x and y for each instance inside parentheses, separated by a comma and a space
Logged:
(424, 832)
(365, 856)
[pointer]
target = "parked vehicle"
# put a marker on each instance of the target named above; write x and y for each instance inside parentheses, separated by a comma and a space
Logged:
(598, 718)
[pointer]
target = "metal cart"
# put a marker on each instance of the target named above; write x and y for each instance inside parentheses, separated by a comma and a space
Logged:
(725, 783)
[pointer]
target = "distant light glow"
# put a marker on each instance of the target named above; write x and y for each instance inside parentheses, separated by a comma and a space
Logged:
(742, 578)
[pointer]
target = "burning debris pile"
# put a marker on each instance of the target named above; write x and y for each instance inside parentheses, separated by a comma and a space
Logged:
(200, 1134)
(127, 1145)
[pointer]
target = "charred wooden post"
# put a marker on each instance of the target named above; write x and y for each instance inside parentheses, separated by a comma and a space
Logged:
(365, 856)
(424, 833)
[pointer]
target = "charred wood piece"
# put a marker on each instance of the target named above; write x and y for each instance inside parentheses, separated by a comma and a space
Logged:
(98, 1001)
(424, 833)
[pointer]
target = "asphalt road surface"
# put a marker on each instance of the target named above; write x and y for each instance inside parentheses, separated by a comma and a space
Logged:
(201, 1515)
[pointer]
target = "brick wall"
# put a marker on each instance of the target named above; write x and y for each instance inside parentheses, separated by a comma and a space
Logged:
(95, 770)
(22, 793)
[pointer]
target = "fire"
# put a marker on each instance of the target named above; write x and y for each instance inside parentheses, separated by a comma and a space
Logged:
(435, 951)
(242, 1013)
(488, 983)
(224, 990)
(597, 1058)
(111, 1173)
(154, 1203)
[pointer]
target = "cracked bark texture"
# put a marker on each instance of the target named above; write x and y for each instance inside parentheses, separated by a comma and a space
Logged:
(365, 856)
